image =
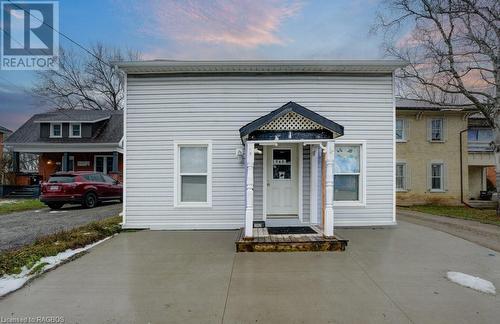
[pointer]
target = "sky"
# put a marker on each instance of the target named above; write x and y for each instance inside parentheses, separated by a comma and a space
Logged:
(205, 29)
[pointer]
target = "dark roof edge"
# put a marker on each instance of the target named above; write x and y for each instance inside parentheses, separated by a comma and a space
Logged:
(296, 108)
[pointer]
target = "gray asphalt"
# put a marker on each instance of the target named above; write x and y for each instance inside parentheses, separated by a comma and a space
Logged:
(483, 234)
(22, 228)
(393, 275)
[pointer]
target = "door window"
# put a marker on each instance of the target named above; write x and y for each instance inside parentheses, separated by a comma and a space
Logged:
(282, 164)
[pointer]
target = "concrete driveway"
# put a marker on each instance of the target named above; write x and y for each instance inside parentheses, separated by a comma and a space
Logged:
(386, 275)
(17, 229)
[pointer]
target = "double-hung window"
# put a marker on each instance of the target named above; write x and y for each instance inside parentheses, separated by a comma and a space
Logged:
(75, 130)
(437, 130)
(437, 177)
(55, 130)
(401, 176)
(193, 174)
(400, 130)
(348, 173)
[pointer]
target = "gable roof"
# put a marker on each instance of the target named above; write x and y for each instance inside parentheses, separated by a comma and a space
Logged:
(288, 108)
(111, 130)
(76, 116)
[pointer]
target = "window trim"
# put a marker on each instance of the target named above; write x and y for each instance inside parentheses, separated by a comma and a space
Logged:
(441, 140)
(404, 139)
(361, 202)
(405, 176)
(71, 130)
(52, 130)
(441, 177)
(177, 176)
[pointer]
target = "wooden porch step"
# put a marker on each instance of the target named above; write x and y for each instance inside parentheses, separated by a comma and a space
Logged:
(290, 243)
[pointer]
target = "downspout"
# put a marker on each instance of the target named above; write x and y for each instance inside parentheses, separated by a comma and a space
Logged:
(462, 170)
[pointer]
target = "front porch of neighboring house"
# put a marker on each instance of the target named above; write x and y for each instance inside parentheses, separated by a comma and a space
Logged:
(289, 167)
(110, 163)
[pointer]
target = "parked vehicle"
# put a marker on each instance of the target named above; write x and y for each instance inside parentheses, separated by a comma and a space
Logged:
(85, 188)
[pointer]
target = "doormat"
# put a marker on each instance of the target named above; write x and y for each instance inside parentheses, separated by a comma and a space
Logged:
(290, 230)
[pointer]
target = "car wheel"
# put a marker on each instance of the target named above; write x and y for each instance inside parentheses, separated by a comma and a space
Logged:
(90, 200)
(55, 205)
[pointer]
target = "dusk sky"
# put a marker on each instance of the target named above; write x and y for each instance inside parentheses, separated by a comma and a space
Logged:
(202, 29)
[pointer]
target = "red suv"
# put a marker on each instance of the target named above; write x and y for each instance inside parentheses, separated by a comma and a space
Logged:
(86, 188)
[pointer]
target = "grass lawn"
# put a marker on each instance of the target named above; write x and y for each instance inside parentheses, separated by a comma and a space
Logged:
(487, 216)
(20, 205)
(12, 262)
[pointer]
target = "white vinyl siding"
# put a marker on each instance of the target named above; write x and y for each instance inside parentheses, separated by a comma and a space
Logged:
(161, 110)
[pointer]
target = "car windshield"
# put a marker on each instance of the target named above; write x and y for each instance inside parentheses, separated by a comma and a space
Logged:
(62, 179)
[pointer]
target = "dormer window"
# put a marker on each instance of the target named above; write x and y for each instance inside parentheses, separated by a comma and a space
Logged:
(75, 130)
(55, 130)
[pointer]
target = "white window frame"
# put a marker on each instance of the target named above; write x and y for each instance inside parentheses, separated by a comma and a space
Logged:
(442, 130)
(105, 165)
(52, 130)
(71, 130)
(405, 177)
(361, 202)
(177, 175)
(441, 177)
(404, 130)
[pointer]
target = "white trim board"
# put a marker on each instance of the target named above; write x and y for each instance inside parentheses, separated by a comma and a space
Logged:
(177, 186)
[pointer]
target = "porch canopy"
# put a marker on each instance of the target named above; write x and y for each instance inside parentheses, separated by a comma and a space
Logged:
(291, 123)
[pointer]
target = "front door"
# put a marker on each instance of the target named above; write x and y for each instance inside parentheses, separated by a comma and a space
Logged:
(282, 181)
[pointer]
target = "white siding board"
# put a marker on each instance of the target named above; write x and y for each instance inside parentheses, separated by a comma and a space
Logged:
(163, 109)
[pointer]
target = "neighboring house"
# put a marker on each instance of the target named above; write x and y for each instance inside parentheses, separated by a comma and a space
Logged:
(441, 154)
(214, 145)
(79, 140)
(481, 159)
(4, 132)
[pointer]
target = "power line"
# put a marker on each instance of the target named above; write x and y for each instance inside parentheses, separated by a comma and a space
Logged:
(63, 35)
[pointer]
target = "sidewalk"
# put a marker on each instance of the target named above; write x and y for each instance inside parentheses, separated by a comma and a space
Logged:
(483, 234)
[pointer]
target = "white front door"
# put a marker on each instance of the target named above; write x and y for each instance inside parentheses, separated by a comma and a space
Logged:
(282, 181)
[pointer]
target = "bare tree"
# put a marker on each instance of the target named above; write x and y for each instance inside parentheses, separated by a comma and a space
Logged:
(453, 54)
(85, 82)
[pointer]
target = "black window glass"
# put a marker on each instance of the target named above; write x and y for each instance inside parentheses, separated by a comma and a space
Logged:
(62, 179)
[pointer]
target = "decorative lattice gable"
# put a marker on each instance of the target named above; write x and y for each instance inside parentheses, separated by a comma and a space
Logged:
(293, 122)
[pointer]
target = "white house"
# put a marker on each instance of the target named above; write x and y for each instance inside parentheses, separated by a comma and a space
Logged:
(221, 144)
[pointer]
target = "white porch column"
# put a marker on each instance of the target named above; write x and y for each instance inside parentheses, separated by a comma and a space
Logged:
(328, 225)
(249, 160)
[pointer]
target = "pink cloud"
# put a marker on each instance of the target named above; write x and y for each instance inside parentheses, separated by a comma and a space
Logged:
(241, 23)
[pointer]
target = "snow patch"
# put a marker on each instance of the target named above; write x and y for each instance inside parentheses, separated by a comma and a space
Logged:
(10, 283)
(472, 282)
